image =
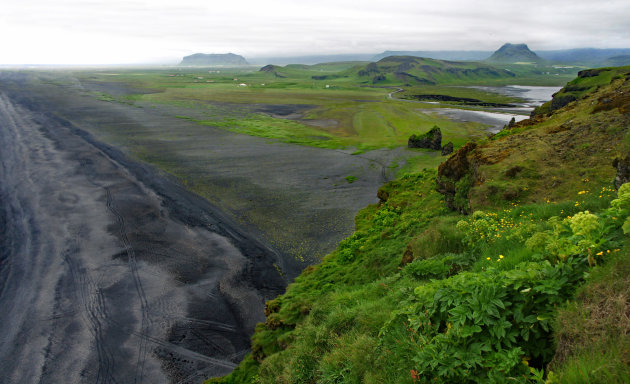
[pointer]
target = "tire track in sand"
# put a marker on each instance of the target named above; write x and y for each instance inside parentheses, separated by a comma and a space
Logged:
(143, 349)
(95, 314)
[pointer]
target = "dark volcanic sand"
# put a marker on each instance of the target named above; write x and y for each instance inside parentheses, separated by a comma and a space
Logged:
(103, 280)
(111, 272)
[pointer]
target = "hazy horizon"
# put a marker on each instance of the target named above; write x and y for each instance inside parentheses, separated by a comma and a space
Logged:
(75, 32)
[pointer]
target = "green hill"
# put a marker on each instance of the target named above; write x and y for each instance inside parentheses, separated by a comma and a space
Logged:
(423, 293)
(514, 53)
(396, 70)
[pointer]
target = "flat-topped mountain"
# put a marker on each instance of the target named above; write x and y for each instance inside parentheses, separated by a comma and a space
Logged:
(514, 53)
(210, 59)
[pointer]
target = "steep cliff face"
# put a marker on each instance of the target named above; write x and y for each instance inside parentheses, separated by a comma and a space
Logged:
(535, 160)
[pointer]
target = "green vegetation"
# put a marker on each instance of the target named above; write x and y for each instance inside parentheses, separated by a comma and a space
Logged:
(421, 294)
(591, 332)
(329, 105)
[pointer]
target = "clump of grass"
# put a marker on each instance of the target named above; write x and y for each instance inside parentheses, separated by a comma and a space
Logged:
(351, 179)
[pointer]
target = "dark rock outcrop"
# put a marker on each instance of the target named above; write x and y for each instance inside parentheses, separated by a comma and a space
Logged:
(447, 149)
(378, 78)
(369, 69)
(623, 171)
(590, 72)
(429, 140)
(270, 68)
(455, 178)
(561, 101)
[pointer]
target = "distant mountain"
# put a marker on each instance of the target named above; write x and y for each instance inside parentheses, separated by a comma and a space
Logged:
(617, 61)
(211, 59)
(311, 59)
(514, 53)
(416, 70)
(439, 55)
(588, 56)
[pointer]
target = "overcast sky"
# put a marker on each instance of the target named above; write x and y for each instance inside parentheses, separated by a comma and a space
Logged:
(162, 31)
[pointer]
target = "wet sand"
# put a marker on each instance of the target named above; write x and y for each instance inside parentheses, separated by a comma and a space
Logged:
(112, 272)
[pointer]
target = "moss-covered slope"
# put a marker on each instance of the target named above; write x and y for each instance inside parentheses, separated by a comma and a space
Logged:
(421, 293)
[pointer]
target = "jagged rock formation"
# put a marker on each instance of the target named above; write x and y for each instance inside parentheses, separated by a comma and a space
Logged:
(211, 59)
(429, 140)
(447, 149)
(514, 53)
(623, 171)
(455, 177)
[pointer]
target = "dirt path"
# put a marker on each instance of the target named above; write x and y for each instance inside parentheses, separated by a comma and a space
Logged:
(102, 279)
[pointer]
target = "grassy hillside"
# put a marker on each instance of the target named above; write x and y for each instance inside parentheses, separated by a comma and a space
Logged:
(423, 293)
(586, 83)
(422, 71)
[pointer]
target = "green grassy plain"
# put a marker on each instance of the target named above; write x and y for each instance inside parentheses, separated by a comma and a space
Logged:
(335, 106)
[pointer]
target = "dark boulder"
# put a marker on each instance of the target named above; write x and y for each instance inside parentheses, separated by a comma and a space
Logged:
(430, 140)
(447, 149)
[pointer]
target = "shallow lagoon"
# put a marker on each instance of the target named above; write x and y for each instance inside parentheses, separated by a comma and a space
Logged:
(496, 118)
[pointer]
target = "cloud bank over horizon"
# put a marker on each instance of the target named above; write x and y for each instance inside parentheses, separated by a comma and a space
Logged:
(162, 31)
